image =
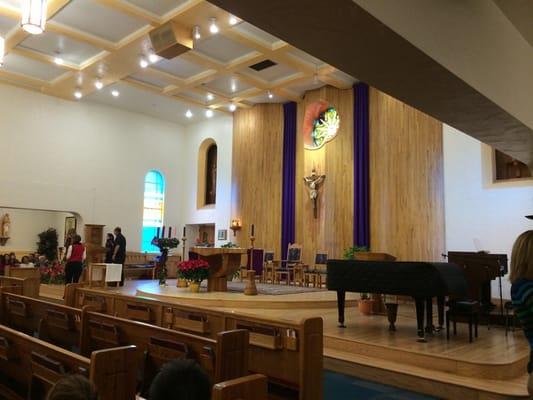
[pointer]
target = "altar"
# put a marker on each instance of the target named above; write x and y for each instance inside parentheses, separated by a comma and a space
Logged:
(223, 263)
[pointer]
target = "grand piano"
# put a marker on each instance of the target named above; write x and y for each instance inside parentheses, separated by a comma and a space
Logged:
(420, 280)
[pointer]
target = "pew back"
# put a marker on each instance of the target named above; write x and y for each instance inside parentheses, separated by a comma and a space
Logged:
(17, 272)
(29, 286)
(251, 387)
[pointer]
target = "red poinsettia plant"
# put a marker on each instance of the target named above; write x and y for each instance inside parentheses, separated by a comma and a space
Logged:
(193, 270)
(53, 273)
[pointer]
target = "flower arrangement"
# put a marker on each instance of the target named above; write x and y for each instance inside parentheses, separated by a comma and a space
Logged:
(165, 243)
(229, 245)
(53, 274)
(193, 270)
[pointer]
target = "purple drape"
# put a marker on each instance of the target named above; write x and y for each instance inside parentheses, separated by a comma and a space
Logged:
(361, 215)
(288, 210)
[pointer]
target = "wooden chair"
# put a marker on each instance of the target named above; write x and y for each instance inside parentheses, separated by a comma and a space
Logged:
(268, 267)
(285, 268)
(317, 275)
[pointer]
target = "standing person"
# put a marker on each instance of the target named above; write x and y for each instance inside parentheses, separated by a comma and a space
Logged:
(75, 257)
(119, 253)
(109, 248)
(521, 277)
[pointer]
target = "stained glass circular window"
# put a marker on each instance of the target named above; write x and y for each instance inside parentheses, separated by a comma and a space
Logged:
(321, 124)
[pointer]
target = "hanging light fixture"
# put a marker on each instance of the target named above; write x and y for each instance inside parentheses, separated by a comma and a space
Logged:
(98, 84)
(2, 49)
(34, 16)
(78, 94)
(210, 96)
(213, 27)
(188, 114)
(143, 62)
(232, 107)
(152, 57)
(196, 33)
(208, 113)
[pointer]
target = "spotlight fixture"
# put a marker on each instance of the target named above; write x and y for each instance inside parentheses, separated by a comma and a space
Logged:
(153, 58)
(196, 32)
(34, 16)
(78, 94)
(188, 114)
(115, 93)
(143, 62)
(2, 49)
(59, 60)
(98, 84)
(208, 113)
(213, 27)
(210, 96)
(232, 107)
(233, 20)
(270, 95)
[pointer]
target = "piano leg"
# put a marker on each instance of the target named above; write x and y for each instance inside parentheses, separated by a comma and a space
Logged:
(440, 312)
(429, 315)
(420, 303)
(341, 297)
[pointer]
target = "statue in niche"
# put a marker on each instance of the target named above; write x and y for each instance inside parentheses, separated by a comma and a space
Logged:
(312, 183)
(6, 225)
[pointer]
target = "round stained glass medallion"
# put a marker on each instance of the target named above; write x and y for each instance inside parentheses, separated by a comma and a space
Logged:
(321, 124)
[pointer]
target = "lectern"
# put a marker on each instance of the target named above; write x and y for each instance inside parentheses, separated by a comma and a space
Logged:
(223, 262)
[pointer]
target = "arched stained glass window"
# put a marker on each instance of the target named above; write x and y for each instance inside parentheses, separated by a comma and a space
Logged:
(154, 208)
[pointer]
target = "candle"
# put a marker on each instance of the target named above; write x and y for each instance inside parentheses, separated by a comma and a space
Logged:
(184, 231)
(163, 232)
(169, 232)
(253, 229)
(158, 232)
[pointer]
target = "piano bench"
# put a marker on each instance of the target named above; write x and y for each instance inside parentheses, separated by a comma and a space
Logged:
(462, 309)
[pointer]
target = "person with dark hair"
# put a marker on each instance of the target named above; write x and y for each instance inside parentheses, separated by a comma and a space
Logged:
(119, 252)
(180, 380)
(75, 256)
(73, 387)
(109, 248)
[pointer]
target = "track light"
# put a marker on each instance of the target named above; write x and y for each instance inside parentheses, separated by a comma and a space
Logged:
(188, 114)
(233, 20)
(115, 93)
(213, 27)
(210, 96)
(143, 62)
(232, 107)
(98, 84)
(34, 16)
(78, 94)
(196, 33)
(2, 49)
(208, 113)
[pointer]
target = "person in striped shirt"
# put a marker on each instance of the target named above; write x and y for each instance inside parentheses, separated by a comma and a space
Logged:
(521, 277)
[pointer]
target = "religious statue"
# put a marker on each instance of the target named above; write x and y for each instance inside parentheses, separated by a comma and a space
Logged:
(6, 223)
(312, 182)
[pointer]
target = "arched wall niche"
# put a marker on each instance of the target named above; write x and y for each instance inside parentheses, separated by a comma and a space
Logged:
(207, 174)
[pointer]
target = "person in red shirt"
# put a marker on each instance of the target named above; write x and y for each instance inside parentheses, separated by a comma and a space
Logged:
(75, 258)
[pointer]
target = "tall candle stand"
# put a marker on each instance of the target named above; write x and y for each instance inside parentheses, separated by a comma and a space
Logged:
(251, 289)
(182, 282)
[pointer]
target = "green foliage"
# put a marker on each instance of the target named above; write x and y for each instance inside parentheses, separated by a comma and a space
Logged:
(47, 244)
(350, 252)
(229, 245)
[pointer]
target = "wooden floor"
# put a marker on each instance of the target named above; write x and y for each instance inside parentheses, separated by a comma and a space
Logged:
(493, 367)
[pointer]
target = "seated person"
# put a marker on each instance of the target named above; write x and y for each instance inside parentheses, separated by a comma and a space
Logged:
(12, 260)
(25, 262)
(2, 263)
(180, 380)
(73, 387)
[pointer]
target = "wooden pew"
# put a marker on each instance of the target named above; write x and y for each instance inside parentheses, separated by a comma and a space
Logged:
(288, 353)
(29, 367)
(17, 272)
(30, 286)
(251, 387)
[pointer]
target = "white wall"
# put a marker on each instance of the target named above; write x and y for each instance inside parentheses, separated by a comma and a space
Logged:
(86, 158)
(478, 210)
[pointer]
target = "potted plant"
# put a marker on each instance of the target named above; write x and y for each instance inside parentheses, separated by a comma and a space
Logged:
(194, 271)
(365, 303)
(164, 244)
(47, 245)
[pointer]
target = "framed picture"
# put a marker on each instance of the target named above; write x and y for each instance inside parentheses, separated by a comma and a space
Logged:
(70, 225)
(222, 234)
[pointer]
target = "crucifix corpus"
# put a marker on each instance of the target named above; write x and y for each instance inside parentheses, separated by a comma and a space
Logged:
(312, 183)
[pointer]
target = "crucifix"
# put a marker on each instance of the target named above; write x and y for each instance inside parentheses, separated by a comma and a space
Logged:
(312, 183)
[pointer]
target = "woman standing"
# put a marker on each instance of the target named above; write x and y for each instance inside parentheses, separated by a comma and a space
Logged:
(521, 277)
(75, 257)
(109, 248)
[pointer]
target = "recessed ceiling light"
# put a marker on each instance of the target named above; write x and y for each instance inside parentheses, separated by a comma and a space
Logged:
(209, 113)
(143, 62)
(2, 49)
(196, 33)
(34, 16)
(188, 114)
(210, 96)
(59, 60)
(78, 94)
(232, 107)
(153, 58)
(115, 93)
(98, 84)
(270, 95)
(213, 27)
(233, 20)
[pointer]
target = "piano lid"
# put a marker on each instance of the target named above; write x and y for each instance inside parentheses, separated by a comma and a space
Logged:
(419, 279)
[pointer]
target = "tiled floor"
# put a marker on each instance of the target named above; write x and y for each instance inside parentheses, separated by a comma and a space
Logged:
(343, 387)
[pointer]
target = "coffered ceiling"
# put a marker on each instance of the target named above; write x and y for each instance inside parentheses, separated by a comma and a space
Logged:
(86, 40)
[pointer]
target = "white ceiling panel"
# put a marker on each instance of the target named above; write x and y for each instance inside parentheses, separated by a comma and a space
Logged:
(179, 67)
(144, 102)
(226, 84)
(303, 56)
(152, 80)
(221, 48)
(273, 73)
(158, 7)
(98, 20)
(32, 68)
(265, 99)
(196, 96)
(261, 36)
(61, 46)
(6, 24)
(306, 85)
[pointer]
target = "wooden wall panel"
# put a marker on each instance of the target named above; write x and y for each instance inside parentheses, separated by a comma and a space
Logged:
(333, 230)
(406, 180)
(257, 174)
